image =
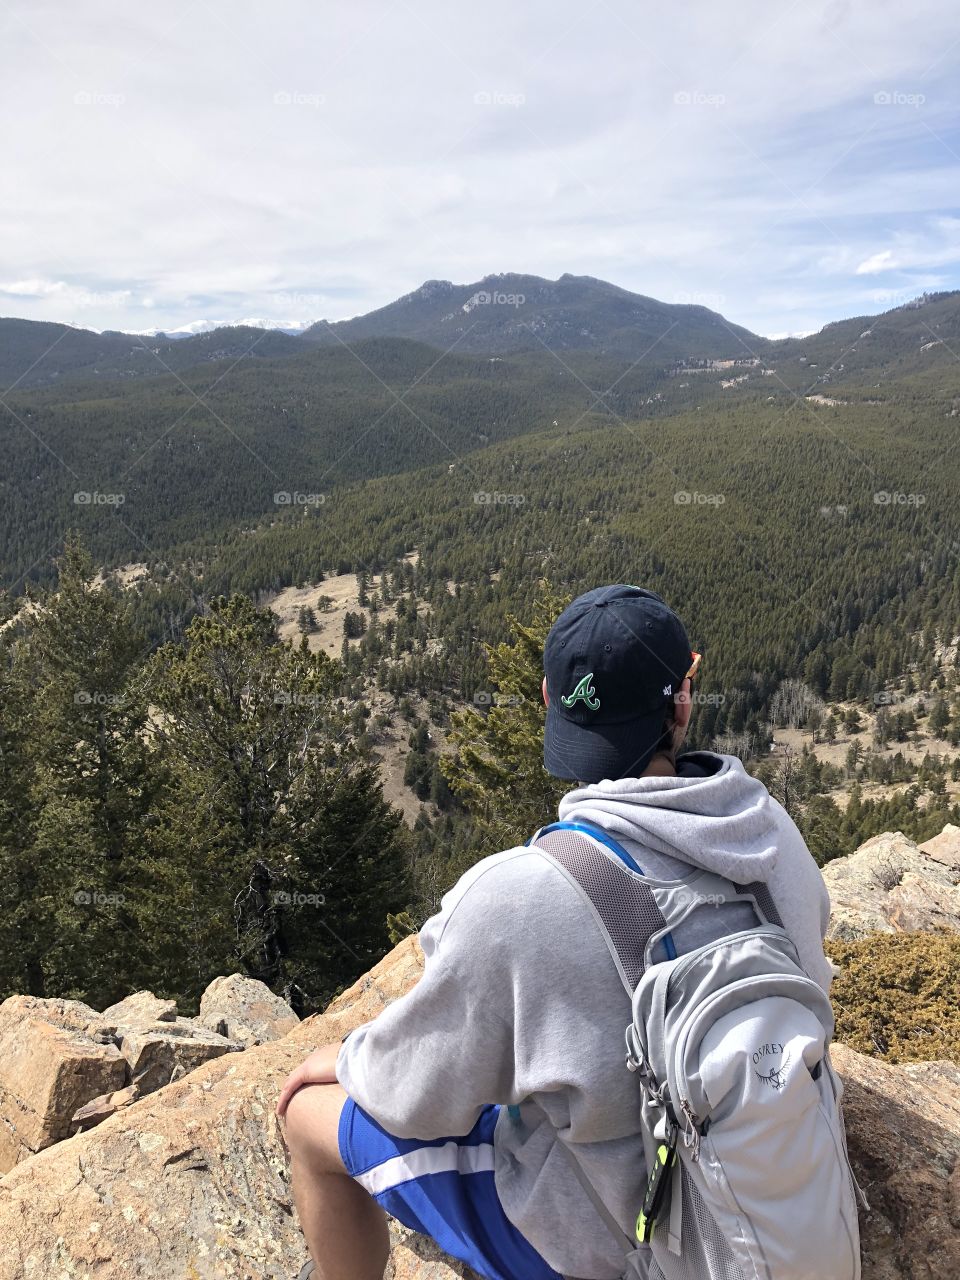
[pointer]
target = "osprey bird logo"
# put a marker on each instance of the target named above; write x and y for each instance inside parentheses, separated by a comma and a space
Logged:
(584, 692)
(776, 1078)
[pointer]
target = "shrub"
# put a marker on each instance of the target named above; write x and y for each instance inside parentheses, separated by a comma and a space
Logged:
(898, 995)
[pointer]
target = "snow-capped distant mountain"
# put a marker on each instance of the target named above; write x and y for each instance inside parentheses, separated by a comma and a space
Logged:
(208, 326)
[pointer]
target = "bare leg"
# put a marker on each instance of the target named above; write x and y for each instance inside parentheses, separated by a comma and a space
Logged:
(345, 1228)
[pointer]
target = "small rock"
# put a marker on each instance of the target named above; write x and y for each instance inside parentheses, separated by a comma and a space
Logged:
(100, 1108)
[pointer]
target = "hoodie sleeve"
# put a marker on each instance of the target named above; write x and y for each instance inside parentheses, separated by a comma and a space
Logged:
(434, 1058)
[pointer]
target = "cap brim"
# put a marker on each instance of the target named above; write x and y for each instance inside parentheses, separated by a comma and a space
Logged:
(590, 753)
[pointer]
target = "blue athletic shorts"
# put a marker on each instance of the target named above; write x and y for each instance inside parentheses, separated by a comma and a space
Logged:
(443, 1189)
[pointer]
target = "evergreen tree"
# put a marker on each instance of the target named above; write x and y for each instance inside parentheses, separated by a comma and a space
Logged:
(306, 620)
(284, 858)
(939, 718)
(21, 954)
(497, 765)
(93, 780)
(821, 827)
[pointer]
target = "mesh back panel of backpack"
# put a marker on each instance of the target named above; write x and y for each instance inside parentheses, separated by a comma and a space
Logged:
(764, 899)
(625, 904)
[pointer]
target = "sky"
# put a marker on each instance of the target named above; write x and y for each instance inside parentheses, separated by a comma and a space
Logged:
(787, 163)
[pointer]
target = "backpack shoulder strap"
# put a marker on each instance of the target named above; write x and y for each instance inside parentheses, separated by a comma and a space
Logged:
(624, 906)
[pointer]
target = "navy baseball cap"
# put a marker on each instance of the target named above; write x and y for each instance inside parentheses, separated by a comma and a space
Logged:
(614, 660)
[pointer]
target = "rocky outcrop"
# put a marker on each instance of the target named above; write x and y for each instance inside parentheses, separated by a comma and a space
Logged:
(193, 1180)
(945, 847)
(903, 1129)
(246, 1010)
(55, 1055)
(64, 1066)
(892, 884)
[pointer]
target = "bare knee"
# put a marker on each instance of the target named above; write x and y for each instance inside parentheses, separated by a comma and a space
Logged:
(312, 1125)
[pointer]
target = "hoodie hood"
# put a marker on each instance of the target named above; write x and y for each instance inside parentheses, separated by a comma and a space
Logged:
(713, 815)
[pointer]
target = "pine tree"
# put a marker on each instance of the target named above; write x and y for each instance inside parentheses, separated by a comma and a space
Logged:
(821, 827)
(21, 958)
(306, 620)
(939, 718)
(497, 766)
(93, 780)
(852, 720)
(284, 858)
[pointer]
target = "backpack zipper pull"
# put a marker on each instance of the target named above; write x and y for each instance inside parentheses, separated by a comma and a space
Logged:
(691, 1135)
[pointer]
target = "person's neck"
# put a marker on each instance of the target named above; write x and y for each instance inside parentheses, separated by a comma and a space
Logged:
(662, 765)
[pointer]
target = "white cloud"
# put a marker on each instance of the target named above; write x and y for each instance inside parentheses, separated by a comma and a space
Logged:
(883, 261)
(662, 149)
(931, 244)
(65, 294)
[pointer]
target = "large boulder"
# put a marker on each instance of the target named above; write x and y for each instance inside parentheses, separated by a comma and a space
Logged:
(63, 1065)
(945, 847)
(246, 1010)
(903, 1130)
(54, 1056)
(890, 884)
(161, 1052)
(193, 1181)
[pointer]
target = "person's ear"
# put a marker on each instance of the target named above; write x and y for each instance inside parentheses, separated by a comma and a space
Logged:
(682, 706)
(546, 696)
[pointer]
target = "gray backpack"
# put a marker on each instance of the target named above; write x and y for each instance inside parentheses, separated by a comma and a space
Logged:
(746, 1156)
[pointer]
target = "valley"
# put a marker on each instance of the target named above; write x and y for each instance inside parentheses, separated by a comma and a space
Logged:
(396, 512)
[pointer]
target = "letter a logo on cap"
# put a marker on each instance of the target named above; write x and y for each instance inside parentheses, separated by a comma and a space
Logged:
(584, 692)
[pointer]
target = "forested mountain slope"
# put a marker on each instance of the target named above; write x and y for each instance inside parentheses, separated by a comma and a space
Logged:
(39, 354)
(182, 455)
(871, 353)
(223, 426)
(496, 315)
(776, 533)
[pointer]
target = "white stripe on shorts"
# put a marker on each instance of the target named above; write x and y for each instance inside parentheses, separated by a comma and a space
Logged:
(450, 1158)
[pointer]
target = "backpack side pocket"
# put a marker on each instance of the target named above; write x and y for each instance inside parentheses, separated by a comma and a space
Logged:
(771, 1162)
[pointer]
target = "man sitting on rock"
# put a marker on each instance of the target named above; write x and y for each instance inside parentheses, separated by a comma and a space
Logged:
(450, 1110)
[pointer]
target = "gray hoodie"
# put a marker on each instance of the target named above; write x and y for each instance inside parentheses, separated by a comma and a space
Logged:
(520, 1002)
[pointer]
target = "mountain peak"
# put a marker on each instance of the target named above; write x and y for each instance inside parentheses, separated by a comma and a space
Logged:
(429, 289)
(507, 312)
